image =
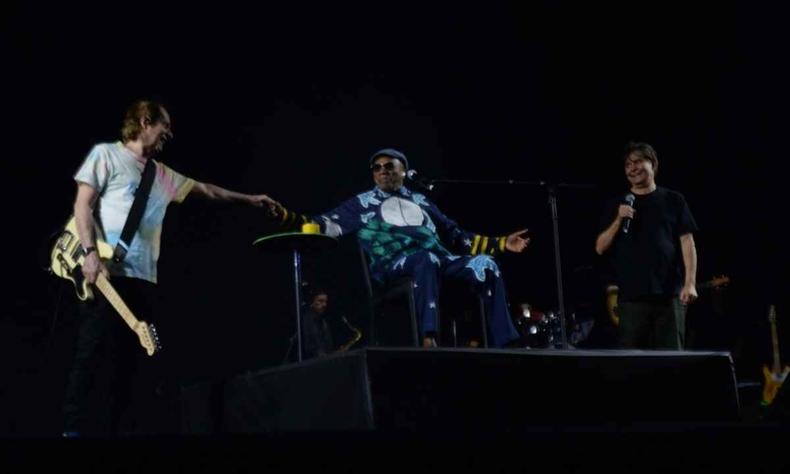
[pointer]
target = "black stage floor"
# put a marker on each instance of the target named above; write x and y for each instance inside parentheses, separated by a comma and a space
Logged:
(451, 409)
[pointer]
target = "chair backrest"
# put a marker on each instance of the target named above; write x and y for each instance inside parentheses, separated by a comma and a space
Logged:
(379, 292)
(369, 285)
(365, 269)
(375, 288)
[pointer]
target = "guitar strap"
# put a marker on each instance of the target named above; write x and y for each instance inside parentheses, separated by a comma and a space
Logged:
(136, 212)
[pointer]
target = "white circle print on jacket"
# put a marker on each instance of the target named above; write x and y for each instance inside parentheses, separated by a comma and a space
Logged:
(401, 212)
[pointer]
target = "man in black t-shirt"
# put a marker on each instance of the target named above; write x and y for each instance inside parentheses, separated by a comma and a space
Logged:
(651, 246)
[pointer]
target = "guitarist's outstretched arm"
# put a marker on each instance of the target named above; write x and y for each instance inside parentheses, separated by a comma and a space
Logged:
(83, 213)
(216, 193)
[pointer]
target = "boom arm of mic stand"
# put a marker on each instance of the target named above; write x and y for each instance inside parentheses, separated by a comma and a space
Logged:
(516, 182)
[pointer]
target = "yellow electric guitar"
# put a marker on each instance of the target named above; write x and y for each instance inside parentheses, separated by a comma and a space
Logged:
(775, 376)
(611, 295)
(66, 262)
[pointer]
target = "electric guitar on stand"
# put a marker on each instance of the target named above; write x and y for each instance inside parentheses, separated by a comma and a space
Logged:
(775, 376)
(66, 262)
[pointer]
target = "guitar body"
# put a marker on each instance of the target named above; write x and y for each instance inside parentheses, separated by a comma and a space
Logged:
(773, 382)
(611, 305)
(67, 258)
(66, 262)
(775, 376)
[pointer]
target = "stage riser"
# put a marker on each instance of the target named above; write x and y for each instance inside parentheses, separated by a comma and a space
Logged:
(469, 390)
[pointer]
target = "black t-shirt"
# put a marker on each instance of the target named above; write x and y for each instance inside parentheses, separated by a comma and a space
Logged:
(648, 260)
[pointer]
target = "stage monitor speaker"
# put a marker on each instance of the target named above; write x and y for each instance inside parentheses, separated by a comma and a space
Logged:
(409, 389)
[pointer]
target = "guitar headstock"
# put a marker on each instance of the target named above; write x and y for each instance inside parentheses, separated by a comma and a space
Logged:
(772, 314)
(149, 338)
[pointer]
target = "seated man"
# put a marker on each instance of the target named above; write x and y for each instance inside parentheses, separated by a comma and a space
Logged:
(400, 231)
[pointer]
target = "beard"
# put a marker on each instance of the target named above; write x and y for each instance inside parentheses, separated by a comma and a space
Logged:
(154, 148)
(389, 185)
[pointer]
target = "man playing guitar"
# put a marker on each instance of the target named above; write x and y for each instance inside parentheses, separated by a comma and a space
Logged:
(106, 352)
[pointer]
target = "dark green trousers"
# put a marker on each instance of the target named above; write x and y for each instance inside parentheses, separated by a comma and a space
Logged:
(652, 323)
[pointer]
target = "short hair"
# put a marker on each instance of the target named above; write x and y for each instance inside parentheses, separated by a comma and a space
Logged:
(318, 291)
(152, 110)
(643, 150)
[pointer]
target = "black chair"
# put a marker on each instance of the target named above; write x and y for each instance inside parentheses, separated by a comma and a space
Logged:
(384, 299)
(463, 299)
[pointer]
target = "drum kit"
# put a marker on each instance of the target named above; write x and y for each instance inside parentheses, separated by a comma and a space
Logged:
(542, 329)
(538, 328)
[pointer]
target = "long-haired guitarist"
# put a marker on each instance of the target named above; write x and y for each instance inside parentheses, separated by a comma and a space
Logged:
(107, 180)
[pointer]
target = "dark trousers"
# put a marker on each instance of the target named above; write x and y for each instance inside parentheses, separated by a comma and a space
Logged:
(481, 272)
(105, 392)
(652, 323)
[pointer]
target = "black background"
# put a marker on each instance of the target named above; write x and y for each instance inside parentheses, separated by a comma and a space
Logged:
(291, 100)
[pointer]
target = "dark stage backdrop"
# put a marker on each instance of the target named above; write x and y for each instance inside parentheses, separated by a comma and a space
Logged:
(290, 101)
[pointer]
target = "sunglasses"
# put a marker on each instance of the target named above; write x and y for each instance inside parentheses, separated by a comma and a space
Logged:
(389, 166)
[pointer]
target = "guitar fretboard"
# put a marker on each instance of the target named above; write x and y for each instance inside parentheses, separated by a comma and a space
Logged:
(774, 339)
(115, 300)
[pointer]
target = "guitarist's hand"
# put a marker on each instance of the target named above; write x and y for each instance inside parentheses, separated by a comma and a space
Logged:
(276, 211)
(92, 266)
(688, 294)
(262, 200)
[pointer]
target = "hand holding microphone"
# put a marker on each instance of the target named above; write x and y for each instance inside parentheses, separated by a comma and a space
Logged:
(626, 211)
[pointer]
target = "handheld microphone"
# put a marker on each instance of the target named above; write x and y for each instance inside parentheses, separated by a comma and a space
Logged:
(412, 175)
(629, 199)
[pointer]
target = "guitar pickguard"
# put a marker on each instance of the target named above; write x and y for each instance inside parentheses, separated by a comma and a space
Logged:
(66, 262)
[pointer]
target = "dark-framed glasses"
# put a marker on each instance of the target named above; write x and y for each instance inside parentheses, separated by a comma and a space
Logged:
(389, 166)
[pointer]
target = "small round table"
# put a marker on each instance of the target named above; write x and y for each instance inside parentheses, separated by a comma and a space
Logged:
(296, 243)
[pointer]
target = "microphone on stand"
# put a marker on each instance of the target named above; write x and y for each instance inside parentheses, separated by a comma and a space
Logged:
(413, 176)
(629, 199)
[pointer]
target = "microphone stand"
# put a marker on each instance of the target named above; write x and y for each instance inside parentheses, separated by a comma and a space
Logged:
(551, 189)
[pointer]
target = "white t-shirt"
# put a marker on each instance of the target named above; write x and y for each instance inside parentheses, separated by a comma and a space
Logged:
(115, 172)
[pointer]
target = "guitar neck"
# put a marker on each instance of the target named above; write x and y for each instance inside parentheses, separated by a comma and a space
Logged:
(103, 284)
(707, 285)
(775, 343)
